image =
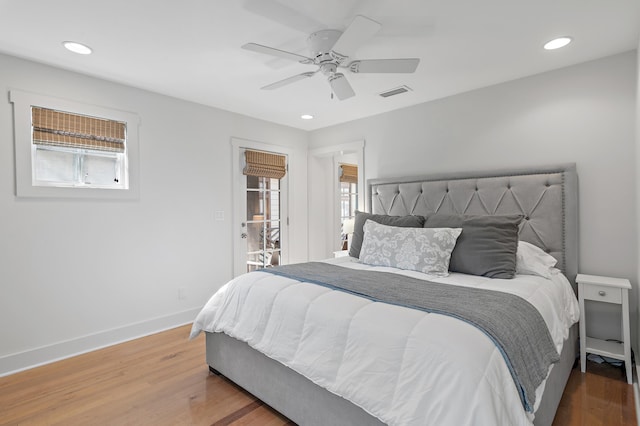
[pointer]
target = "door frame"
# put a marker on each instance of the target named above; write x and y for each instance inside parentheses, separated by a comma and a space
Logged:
(335, 152)
(238, 145)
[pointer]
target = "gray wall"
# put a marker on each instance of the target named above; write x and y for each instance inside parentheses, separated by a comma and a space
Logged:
(79, 274)
(61, 294)
(583, 114)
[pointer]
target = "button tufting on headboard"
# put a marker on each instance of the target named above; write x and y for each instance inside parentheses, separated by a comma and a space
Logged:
(546, 197)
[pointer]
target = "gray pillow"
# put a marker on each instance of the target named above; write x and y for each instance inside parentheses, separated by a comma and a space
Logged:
(361, 218)
(487, 245)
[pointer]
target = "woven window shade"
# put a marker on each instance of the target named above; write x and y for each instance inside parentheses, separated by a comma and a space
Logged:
(349, 173)
(265, 164)
(64, 129)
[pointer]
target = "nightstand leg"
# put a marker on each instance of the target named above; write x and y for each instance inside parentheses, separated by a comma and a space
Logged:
(626, 335)
(583, 334)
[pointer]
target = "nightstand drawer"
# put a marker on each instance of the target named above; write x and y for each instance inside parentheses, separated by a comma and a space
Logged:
(602, 293)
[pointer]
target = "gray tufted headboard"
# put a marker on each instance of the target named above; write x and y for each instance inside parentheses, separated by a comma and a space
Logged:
(546, 196)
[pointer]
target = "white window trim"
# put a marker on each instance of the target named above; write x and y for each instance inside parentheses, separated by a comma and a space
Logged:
(22, 102)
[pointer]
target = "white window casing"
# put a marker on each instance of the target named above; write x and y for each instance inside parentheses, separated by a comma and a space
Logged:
(62, 163)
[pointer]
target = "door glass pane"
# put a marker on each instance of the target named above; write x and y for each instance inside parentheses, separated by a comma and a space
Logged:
(348, 207)
(254, 237)
(253, 262)
(253, 182)
(263, 222)
(255, 205)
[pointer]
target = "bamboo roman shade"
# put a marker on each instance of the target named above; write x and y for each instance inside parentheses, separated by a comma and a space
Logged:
(265, 164)
(64, 129)
(349, 173)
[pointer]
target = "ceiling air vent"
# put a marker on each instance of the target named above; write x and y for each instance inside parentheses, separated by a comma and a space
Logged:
(396, 91)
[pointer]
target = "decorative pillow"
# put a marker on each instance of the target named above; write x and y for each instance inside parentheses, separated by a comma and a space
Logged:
(487, 245)
(426, 250)
(361, 218)
(532, 260)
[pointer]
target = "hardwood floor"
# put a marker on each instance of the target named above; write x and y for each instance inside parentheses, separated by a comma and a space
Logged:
(601, 396)
(163, 380)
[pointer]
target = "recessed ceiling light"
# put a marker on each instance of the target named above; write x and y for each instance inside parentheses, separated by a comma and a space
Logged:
(306, 116)
(77, 47)
(557, 43)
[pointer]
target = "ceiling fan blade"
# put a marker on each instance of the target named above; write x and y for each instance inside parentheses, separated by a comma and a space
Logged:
(405, 65)
(289, 80)
(341, 86)
(254, 47)
(360, 30)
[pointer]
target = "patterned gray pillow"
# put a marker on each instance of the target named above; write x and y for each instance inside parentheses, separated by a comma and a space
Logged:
(426, 250)
(361, 218)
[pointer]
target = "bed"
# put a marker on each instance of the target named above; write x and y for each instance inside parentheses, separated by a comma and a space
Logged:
(300, 380)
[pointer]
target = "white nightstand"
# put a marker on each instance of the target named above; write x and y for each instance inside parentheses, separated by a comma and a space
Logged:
(341, 253)
(608, 290)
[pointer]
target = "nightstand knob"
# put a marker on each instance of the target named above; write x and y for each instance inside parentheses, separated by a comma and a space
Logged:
(602, 293)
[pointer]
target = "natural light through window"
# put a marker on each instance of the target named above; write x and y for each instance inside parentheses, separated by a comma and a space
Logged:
(72, 150)
(348, 198)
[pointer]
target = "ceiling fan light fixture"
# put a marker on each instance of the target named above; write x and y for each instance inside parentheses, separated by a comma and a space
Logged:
(306, 117)
(557, 43)
(75, 47)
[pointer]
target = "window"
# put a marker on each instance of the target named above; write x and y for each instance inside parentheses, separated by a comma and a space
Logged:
(348, 198)
(69, 149)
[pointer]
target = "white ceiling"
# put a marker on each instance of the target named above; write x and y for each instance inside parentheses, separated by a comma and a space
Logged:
(190, 49)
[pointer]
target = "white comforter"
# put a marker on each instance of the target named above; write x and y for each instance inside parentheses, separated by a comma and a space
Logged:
(404, 366)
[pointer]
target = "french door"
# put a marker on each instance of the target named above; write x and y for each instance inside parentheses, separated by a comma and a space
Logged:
(260, 214)
(263, 222)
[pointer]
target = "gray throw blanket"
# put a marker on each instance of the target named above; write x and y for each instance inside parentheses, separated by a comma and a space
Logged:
(512, 323)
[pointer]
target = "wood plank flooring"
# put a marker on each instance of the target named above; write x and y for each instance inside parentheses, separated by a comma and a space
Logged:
(163, 380)
(601, 396)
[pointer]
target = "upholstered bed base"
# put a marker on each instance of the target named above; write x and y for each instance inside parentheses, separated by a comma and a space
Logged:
(557, 380)
(547, 197)
(278, 386)
(308, 404)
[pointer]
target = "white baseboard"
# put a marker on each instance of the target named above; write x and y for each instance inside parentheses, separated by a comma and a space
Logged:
(13, 363)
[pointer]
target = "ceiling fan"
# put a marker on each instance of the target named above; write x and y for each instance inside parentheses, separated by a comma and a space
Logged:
(331, 50)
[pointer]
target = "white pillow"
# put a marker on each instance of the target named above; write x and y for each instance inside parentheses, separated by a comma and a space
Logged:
(426, 250)
(532, 260)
